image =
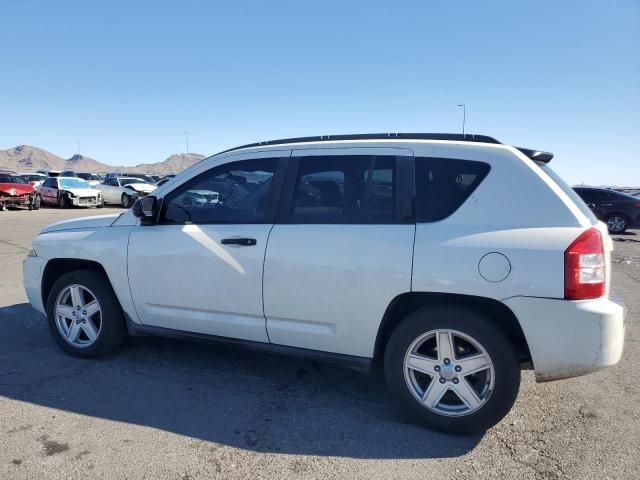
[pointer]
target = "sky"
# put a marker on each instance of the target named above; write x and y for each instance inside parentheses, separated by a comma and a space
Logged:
(126, 79)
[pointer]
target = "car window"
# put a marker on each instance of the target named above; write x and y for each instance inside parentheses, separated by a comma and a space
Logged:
(339, 189)
(443, 185)
(73, 183)
(11, 179)
(235, 192)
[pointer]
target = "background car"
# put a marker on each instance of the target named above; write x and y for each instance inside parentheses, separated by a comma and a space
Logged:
(34, 179)
(124, 190)
(619, 210)
(15, 191)
(91, 178)
(50, 173)
(70, 191)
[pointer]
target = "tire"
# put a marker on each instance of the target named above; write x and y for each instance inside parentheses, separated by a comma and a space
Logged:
(125, 200)
(107, 323)
(37, 202)
(495, 387)
(617, 223)
(101, 204)
(62, 201)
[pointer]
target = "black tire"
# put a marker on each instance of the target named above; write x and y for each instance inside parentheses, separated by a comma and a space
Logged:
(62, 201)
(475, 325)
(37, 202)
(112, 330)
(620, 221)
(125, 200)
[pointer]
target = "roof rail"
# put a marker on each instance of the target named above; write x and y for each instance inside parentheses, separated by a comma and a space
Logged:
(454, 137)
(535, 155)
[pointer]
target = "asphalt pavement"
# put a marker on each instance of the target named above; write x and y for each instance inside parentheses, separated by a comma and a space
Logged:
(168, 409)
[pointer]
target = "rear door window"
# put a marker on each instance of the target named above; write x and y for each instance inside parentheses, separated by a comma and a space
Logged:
(350, 189)
(443, 185)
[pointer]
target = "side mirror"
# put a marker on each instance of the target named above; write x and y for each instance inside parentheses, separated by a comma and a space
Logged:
(146, 209)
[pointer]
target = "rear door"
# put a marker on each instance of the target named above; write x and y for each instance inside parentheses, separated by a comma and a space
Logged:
(341, 249)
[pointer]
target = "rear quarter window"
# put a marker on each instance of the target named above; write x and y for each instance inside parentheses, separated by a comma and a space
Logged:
(444, 184)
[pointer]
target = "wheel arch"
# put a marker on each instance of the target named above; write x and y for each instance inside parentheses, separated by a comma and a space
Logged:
(406, 303)
(59, 266)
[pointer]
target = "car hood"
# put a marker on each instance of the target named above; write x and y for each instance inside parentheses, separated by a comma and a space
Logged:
(98, 221)
(82, 192)
(14, 189)
(141, 187)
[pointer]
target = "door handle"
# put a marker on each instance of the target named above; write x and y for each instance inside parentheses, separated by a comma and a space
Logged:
(243, 242)
(607, 204)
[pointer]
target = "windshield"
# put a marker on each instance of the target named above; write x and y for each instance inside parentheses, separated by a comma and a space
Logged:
(88, 176)
(31, 177)
(128, 181)
(11, 179)
(73, 183)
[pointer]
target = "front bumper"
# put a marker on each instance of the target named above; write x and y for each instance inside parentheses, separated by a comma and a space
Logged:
(18, 200)
(570, 338)
(32, 278)
(85, 201)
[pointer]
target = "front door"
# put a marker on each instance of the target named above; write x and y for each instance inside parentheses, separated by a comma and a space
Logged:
(199, 269)
(342, 247)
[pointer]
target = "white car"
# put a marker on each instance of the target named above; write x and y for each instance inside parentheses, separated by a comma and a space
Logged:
(124, 190)
(451, 261)
(68, 192)
(35, 179)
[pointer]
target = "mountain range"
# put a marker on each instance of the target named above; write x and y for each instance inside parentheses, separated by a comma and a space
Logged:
(26, 158)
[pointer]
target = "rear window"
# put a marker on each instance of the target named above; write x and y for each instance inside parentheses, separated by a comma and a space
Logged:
(571, 193)
(443, 185)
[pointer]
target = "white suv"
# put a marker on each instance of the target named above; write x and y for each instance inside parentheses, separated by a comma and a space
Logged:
(452, 261)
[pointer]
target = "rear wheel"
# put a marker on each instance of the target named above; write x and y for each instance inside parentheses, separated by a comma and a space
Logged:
(617, 223)
(84, 315)
(452, 369)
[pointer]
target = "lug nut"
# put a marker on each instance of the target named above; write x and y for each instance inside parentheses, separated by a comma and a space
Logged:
(442, 380)
(455, 380)
(447, 361)
(437, 368)
(458, 368)
(84, 312)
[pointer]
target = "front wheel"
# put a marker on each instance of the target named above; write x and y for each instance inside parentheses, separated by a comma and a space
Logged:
(617, 223)
(62, 201)
(36, 202)
(126, 201)
(452, 369)
(84, 315)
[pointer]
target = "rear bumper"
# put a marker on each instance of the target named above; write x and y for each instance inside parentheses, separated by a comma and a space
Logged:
(570, 338)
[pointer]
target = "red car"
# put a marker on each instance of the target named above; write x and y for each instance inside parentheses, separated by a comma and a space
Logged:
(17, 192)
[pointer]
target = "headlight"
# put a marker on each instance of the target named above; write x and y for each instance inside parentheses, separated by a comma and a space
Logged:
(32, 252)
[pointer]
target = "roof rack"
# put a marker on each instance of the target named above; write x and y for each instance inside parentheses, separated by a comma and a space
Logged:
(453, 137)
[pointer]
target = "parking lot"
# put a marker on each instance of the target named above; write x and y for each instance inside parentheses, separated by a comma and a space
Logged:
(166, 409)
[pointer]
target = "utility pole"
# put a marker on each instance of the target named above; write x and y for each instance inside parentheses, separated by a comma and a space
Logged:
(464, 115)
(186, 136)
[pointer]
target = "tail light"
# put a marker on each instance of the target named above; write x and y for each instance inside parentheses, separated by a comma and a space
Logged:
(584, 267)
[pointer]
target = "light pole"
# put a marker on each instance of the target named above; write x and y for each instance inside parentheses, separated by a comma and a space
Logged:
(186, 136)
(464, 115)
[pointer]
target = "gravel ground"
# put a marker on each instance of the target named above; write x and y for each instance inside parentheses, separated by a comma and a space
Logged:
(165, 409)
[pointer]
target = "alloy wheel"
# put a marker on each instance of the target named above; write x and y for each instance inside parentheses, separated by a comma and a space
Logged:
(78, 316)
(616, 224)
(449, 372)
